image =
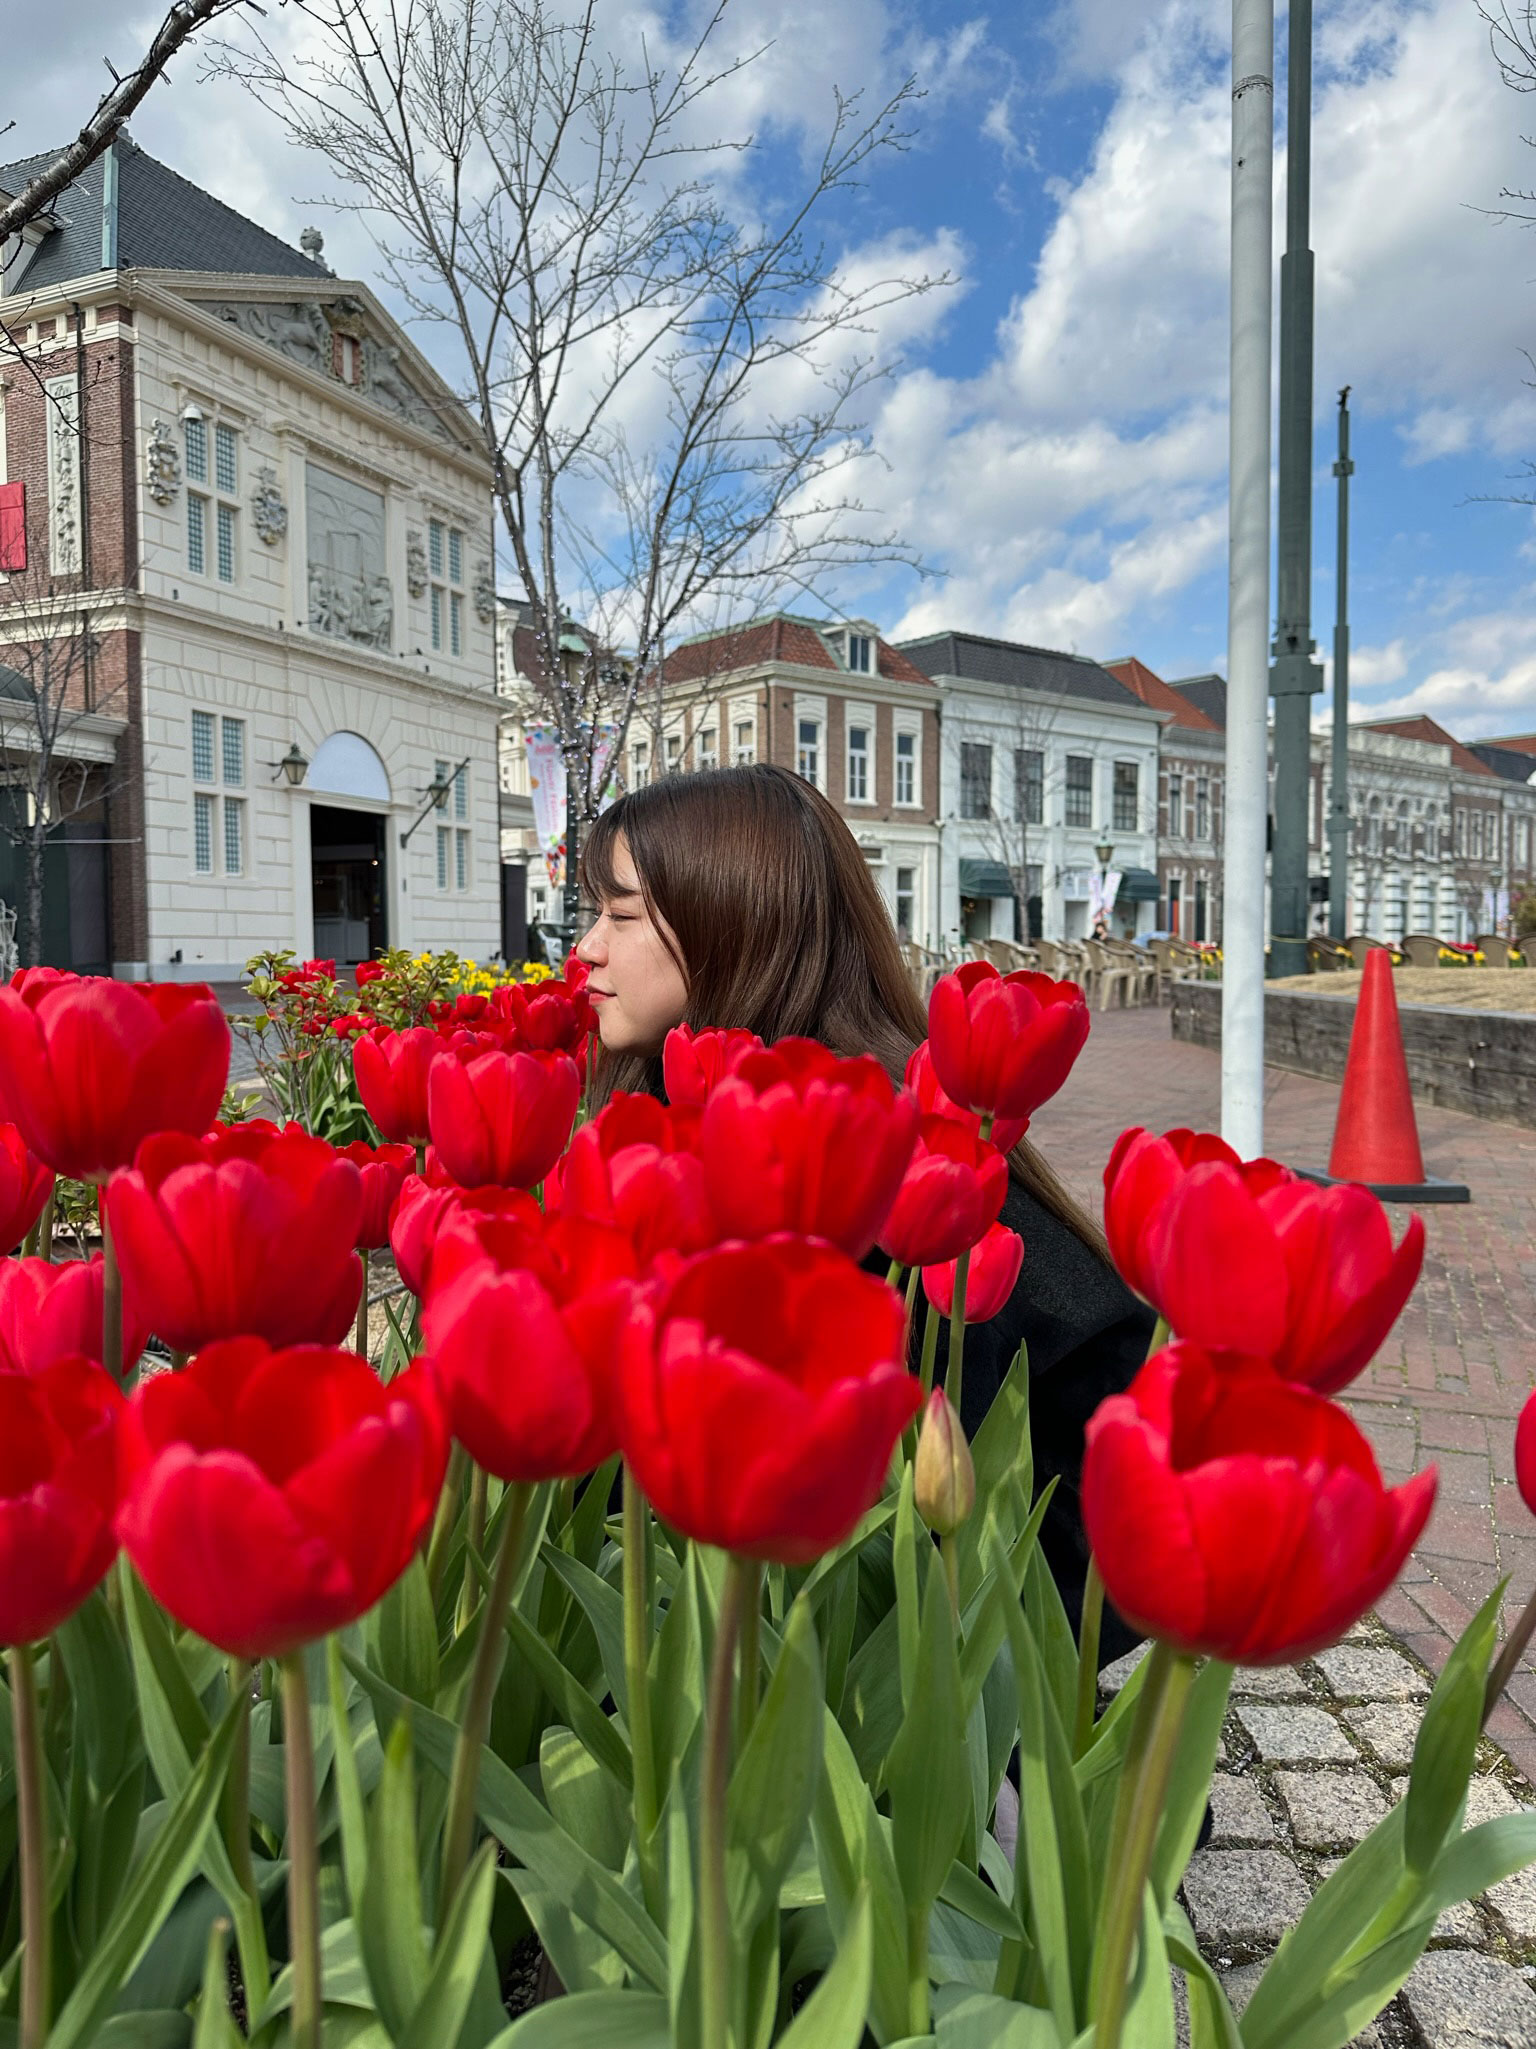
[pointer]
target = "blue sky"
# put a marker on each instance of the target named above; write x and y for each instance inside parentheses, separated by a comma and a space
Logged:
(1052, 438)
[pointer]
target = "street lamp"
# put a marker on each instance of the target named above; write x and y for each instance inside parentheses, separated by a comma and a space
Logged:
(294, 766)
(435, 796)
(1106, 852)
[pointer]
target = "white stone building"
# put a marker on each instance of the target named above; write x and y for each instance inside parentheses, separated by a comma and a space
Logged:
(277, 521)
(1045, 758)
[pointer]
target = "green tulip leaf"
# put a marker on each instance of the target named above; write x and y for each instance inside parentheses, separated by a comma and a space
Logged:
(527, 1828)
(909, 1591)
(872, 1711)
(343, 1982)
(592, 2020)
(854, 1851)
(579, 1710)
(589, 1804)
(833, 2017)
(836, 1608)
(1003, 1457)
(1149, 2018)
(980, 2020)
(928, 1773)
(986, 1614)
(1053, 1635)
(1470, 1863)
(682, 1975)
(603, 1606)
(153, 1890)
(388, 1921)
(456, 1964)
(970, 1895)
(773, 1787)
(1190, 1781)
(162, 2028)
(1446, 1746)
(349, 1791)
(90, 1646)
(677, 1670)
(215, 2028)
(401, 1635)
(586, 1532)
(1212, 2023)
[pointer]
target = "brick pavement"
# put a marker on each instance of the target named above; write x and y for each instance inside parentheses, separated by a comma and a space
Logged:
(1451, 1380)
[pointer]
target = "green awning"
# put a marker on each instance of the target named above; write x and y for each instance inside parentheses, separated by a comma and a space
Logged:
(984, 878)
(1137, 886)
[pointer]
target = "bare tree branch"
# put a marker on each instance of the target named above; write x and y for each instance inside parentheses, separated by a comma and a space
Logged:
(182, 22)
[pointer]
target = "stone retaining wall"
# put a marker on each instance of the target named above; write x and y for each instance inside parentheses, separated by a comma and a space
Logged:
(1480, 1061)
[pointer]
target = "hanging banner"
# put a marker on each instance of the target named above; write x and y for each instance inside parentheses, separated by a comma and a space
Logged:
(546, 785)
(1102, 891)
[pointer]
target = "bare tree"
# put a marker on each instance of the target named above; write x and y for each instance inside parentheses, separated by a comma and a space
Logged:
(667, 390)
(182, 21)
(50, 688)
(1021, 732)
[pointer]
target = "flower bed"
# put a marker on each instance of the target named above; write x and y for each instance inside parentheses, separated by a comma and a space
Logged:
(642, 1595)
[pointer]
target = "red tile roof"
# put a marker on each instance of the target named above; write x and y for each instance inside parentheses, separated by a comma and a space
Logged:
(779, 639)
(1423, 728)
(1523, 743)
(1153, 691)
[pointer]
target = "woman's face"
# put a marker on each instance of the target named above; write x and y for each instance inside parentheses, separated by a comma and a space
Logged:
(636, 986)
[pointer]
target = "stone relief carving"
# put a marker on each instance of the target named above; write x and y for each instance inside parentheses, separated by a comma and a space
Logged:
(484, 593)
(416, 571)
(269, 515)
(303, 331)
(297, 330)
(63, 395)
(386, 383)
(162, 463)
(350, 595)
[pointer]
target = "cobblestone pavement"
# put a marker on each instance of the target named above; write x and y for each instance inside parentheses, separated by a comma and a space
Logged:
(1451, 1380)
(1311, 1758)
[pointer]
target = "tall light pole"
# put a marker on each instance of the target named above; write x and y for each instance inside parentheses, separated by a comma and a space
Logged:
(1338, 807)
(1295, 677)
(1242, 990)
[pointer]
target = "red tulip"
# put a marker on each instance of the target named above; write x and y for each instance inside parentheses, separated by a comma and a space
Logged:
(248, 1234)
(952, 1191)
(270, 1497)
(990, 1278)
(932, 1101)
(547, 1017)
(1237, 1515)
(90, 1067)
(522, 1322)
(692, 1062)
(1525, 1453)
(24, 1186)
(1244, 1257)
(502, 1119)
(761, 1397)
(58, 1493)
(391, 1070)
(1002, 1045)
(383, 1169)
(53, 1310)
(634, 1167)
(425, 1206)
(795, 1139)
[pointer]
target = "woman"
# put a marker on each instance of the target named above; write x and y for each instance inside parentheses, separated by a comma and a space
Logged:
(739, 898)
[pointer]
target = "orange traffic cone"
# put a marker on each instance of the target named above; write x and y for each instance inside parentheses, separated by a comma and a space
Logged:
(1376, 1138)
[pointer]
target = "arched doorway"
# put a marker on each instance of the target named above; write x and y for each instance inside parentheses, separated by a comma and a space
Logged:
(347, 850)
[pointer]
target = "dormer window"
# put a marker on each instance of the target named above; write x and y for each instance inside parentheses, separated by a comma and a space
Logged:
(861, 654)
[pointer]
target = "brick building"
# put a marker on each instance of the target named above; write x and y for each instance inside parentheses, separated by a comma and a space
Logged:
(255, 525)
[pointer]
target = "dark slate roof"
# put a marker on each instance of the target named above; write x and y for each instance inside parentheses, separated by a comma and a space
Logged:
(1206, 693)
(980, 660)
(163, 223)
(1510, 762)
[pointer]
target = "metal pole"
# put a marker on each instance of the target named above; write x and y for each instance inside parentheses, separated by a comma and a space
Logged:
(1242, 993)
(1338, 809)
(1296, 677)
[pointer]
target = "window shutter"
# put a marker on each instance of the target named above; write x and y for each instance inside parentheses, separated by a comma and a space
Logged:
(13, 527)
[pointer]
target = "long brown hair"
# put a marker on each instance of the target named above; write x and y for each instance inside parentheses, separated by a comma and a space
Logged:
(779, 929)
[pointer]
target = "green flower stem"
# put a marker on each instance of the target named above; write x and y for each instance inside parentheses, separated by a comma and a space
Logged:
(954, 1371)
(111, 1304)
(949, 1552)
(637, 1673)
(360, 1335)
(32, 1844)
(303, 1856)
(914, 1281)
(714, 1910)
(1510, 1655)
(893, 1274)
(1160, 1336)
(930, 1348)
(919, 2008)
(1088, 1657)
(447, 1517)
(751, 1655)
(475, 1727)
(479, 1484)
(1142, 1793)
(235, 1821)
(421, 1156)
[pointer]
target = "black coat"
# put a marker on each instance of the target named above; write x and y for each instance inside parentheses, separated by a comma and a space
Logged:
(1086, 1335)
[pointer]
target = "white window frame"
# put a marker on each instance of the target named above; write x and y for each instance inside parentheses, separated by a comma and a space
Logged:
(445, 590)
(1175, 806)
(860, 654)
(212, 505)
(707, 749)
(907, 726)
(859, 718)
(743, 716)
(225, 795)
(812, 711)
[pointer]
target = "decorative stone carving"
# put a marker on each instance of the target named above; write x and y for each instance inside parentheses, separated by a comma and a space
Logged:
(387, 385)
(304, 329)
(269, 515)
(63, 397)
(162, 463)
(416, 571)
(297, 330)
(484, 593)
(350, 595)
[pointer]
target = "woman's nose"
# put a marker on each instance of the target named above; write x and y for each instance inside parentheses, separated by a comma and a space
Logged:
(589, 950)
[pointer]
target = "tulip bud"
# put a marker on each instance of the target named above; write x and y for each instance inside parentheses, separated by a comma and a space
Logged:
(943, 1477)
